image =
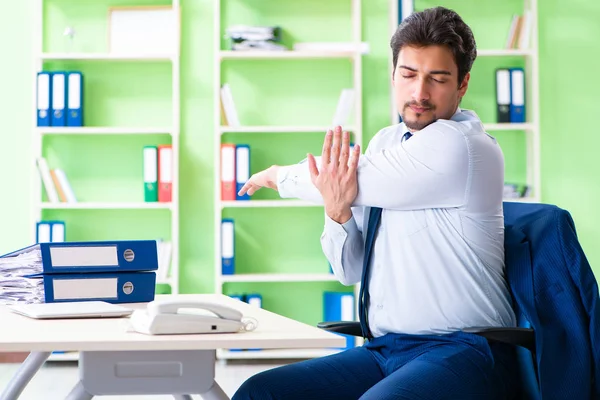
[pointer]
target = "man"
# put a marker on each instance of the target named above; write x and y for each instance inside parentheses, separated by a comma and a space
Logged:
(421, 215)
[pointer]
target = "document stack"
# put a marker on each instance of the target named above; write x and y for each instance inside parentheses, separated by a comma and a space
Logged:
(255, 38)
(115, 272)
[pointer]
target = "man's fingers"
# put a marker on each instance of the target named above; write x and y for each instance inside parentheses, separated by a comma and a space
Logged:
(312, 167)
(353, 164)
(344, 151)
(337, 142)
(244, 188)
(253, 189)
(326, 154)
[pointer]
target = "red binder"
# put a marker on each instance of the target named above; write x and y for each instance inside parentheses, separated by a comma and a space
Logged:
(228, 191)
(165, 173)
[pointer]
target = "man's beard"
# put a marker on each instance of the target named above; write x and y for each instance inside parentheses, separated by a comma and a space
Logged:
(417, 125)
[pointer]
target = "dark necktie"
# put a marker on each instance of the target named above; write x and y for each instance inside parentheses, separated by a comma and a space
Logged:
(363, 306)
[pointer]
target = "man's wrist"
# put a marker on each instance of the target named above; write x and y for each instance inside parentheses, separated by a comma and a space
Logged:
(272, 176)
(341, 215)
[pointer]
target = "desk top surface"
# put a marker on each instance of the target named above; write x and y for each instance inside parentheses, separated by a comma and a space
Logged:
(21, 333)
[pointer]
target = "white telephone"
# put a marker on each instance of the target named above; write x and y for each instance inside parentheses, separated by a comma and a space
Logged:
(169, 317)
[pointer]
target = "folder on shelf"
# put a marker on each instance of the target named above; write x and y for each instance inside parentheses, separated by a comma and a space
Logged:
(228, 185)
(44, 98)
(503, 95)
(242, 169)
(57, 231)
(165, 173)
(344, 108)
(165, 249)
(150, 156)
(513, 32)
(50, 231)
(231, 114)
(59, 189)
(405, 8)
(83, 257)
(517, 95)
(339, 306)
(227, 246)
(75, 98)
(525, 31)
(254, 299)
(43, 232)
(127, 287)
(240, 297)
(44, 171)
(59, 98)
(65, 191)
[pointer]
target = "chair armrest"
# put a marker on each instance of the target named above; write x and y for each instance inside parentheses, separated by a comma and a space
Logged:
(524, 337)
(346, 327)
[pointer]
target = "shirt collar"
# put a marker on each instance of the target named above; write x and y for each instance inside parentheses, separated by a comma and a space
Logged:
(459, 115)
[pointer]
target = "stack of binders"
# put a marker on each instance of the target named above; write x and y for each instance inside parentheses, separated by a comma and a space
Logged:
(115, 272)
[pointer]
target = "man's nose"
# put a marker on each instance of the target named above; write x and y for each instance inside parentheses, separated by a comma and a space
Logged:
(420, 91)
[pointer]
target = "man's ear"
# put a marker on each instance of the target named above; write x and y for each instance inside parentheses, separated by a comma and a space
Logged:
(462, 89)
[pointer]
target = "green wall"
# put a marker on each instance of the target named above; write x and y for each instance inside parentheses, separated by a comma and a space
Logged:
(278, 92)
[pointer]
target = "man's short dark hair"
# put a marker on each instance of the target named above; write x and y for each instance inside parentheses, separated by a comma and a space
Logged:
(437, 26)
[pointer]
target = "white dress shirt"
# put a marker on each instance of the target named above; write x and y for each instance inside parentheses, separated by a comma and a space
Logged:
(438, 259)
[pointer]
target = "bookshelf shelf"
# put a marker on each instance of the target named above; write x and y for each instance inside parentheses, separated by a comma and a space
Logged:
(100, 130)
(504, 53)
(266, 203)
(106, 206)
(280, 129)
(105, 57)
(278, 278)
(290, 54)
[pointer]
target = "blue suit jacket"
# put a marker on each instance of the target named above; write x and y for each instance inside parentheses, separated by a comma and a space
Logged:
(554, 288)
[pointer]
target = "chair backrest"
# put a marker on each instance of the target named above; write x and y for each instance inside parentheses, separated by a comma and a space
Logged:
(544, 258)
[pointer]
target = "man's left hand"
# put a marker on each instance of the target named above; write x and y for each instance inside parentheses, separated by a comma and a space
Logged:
(336, 180)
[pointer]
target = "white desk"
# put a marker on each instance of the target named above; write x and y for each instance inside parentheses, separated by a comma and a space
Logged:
(117, 361)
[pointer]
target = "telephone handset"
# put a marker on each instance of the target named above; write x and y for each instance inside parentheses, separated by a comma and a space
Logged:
(170, 317)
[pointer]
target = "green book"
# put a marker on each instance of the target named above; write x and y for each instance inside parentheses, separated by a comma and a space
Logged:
(150, 173)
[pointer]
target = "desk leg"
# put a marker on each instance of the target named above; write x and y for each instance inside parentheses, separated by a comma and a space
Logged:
(183, 397)
(215, 393)
(26, 371)
(79, 393)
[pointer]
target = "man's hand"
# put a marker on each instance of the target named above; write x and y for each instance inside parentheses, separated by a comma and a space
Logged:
(265, 178)
(336, 180)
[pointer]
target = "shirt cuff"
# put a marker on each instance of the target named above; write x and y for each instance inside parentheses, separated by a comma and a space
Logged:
(341, 230)
(283, 182)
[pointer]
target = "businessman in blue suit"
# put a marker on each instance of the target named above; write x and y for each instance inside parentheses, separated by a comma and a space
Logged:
(418, 220)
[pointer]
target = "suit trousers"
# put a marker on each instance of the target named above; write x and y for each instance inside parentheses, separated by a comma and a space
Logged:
(452, 366)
